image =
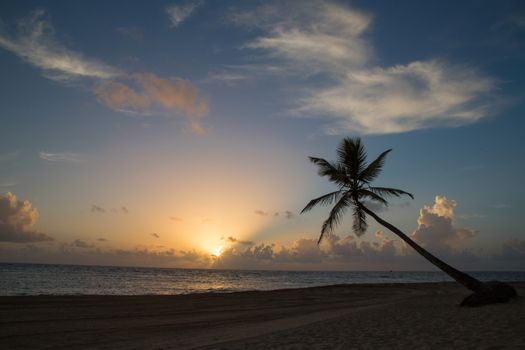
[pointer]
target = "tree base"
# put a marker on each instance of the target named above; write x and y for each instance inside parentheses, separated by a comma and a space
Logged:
(494, 292)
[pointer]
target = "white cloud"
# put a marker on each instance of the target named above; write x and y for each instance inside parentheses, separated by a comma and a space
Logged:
(17, 219)
(401, 98)
(329, 41)
(35, 43)
(62, 157)
(179, 13)
(436, 227)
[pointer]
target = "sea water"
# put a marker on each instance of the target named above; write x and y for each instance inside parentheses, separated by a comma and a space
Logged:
(38, 279)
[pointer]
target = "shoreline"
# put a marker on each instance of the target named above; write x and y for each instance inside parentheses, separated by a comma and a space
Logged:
(337, 316)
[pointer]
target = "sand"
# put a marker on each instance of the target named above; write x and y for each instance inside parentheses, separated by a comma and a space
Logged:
(395, 316)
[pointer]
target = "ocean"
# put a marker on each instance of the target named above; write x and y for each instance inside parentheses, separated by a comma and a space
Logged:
(42, 279)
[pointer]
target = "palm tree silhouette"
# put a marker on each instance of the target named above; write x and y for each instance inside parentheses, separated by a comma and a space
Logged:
(354, 177)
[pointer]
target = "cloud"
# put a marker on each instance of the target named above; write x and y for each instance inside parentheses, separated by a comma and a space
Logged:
(35, 43)
(227, 77)
(179, 13)
(17, 219)
(156, 235)
(328, 41)
(139, 94)
(436, 229)
(169, 95)
(124, 210)
(314, 36)
(287, 214)
(174, 218)
(237, 241)
(101, 239)
(62, 157)
(135, 33)
(119, 96)
(81, 244)
(403, 98)
(97, 209)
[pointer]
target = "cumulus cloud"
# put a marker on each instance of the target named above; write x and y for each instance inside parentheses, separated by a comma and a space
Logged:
(62, 157)
(436, 228)
(179, 13)
(329, 41)
(170, 95)
(97, 209)
(17, 219)
(35, 43)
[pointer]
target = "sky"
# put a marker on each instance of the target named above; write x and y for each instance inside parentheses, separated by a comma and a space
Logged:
(177, 133)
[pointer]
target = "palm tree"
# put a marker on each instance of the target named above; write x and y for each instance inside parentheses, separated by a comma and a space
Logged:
(353, 178)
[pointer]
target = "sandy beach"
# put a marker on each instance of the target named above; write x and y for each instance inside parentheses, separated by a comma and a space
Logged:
(395, 316)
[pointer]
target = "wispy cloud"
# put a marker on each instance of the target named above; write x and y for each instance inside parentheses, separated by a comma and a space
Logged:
(227, 77)
(62, 157)
(147, 94)
(156, 235)
(179, 13)
(81, 244)
(97, 209)
(401, 98)
(135, 33)
(328, 41)
(35, 43)
(171, 95)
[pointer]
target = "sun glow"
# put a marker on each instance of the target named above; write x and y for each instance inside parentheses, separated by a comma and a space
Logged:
(217, 251)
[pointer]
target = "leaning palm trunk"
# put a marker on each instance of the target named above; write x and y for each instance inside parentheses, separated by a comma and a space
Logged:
(461, 277)
(353, 176)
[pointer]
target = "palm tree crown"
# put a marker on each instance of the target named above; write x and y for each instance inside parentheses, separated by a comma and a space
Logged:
(353, 176)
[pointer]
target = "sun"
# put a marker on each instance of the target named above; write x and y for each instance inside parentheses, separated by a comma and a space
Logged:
(217, 251)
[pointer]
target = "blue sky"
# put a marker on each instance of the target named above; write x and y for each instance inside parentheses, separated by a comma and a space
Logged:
(152, 133)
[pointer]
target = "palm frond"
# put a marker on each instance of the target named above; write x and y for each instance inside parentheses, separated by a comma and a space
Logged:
(385, 191)
(335, 217)
(335, 172)
(372, 196)
(352, 154)
(374, 168)
(323, 200)
(359, 225)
